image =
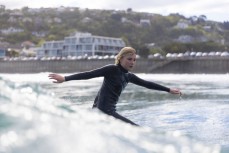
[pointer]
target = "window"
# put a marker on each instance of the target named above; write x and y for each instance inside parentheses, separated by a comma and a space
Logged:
(88, 40)
(72, 47)
(88, 47)
(73, 40)
(82, 40)
(78, 47)
(67, 40)
(55, 45)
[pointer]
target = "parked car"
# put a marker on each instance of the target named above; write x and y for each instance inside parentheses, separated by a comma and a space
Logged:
(224, 53)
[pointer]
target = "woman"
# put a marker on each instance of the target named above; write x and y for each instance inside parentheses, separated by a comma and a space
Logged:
(116, 77)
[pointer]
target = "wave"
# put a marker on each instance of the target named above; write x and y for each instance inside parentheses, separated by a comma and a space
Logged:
(35, 121)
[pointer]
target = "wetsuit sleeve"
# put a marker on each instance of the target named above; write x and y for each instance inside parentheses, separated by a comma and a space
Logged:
(100, 72)
(148, 84)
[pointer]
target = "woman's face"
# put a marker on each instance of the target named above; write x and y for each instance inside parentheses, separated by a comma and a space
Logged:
(128, 61)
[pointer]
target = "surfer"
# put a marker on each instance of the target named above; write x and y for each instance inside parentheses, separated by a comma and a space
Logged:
(116, 77)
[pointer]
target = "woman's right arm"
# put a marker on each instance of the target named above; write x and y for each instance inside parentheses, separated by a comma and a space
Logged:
(106, 70)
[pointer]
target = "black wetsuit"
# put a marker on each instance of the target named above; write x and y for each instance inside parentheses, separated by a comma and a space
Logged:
(115, 80)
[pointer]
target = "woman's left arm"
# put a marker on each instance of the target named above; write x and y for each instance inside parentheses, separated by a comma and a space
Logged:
(151, 85)
(175, 91)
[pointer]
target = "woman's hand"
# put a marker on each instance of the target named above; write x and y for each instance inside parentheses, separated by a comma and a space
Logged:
(175, 91)
(57, 77)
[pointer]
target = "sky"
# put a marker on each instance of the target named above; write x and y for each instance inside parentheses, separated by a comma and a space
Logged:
(216, 10)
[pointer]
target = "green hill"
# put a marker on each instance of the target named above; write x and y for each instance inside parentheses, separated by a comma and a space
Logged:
(146, 32)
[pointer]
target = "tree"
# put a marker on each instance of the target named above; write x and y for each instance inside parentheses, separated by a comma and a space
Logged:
(12, 53)
(226, 25)
(116, 17)
(129, 10)
(143, 51)
(175, 48)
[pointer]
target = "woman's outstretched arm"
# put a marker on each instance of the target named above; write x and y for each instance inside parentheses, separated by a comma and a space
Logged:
(99, 72)
(151, 85)
(175, 91)
(58, 78)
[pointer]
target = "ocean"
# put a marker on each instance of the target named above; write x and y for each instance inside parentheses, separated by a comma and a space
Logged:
(38, 116)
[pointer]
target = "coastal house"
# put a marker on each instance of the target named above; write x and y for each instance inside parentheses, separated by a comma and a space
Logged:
(185, 39)
(2, 7)
(125, 20)
(3, 49)
(27, 44)
(34, 10)
(207, 28)
(27, 20)
(145, 22)
(11, 30)
(81, 44)
(39, 34)
(12, 19)
(183, 24)
(191, 39)
(61, 9)
(2, 53)
(57, 20)
(86, 20)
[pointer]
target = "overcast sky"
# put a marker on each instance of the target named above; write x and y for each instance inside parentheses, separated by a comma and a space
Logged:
(217, 10)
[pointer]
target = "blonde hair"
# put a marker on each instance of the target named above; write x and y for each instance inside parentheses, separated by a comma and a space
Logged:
(123, 52)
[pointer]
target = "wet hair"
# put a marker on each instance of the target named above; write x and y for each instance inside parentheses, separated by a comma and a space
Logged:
(123, 52)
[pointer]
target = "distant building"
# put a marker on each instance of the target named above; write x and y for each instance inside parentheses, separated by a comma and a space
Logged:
(183, 24)
(145, 22)
(11, 30)
(2, 7)
(27, 44)
(51, 49)
(2, 53)
(86, 20)
(81, 44)
(3, 48)
(185, 39)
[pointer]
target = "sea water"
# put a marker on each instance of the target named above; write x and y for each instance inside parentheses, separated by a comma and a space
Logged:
(38, 116)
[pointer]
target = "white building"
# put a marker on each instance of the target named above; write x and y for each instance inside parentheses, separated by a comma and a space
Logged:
(50, 49)
(81, 44)
(11, 30)
(183, 24)
(145, 22)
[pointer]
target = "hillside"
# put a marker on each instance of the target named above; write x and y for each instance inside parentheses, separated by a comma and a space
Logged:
(157, 33)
